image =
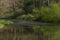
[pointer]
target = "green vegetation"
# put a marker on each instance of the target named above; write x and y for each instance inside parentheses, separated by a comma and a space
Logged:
(4, 23)
(45, 14)
(51, 13)
(32, 10)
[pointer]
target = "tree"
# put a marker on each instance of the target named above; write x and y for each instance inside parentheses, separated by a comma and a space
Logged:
(10, 8)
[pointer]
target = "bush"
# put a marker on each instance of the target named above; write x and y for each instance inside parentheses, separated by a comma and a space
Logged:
(51, 14)
(26, 17)
(45, 14)
(4, 23)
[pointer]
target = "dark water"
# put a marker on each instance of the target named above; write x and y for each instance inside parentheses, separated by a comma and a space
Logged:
(48, 32)
(21, 30)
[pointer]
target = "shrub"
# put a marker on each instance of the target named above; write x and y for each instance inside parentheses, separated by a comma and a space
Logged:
(45, 14)
(4, 23)
(51, 14)
(27, 17)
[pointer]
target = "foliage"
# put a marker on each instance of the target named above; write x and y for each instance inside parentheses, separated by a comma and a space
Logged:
(31, 16)
(27, 17)
(1, 25)
(51, 14)
(48, 14)
(27, 10)
(4, 23)
(45, 14)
